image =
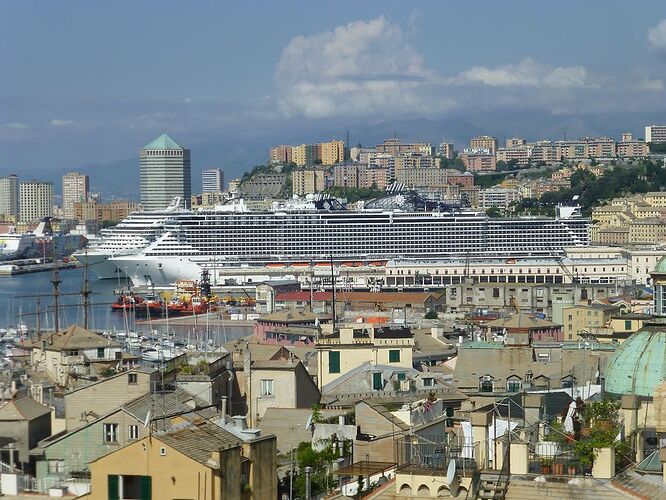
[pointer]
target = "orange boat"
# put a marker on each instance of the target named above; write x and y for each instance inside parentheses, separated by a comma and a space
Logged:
(352, 264)
(275, 265)
(299, 264)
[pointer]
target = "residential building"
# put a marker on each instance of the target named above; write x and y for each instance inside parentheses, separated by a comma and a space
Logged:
(484, 142)
(498, 197)
(479, 162)
(308, 180)
(373, 176)
(305, 155)
(207, 200)
(587, 147)
(433, 177)
(340, 351)
(281, 383)
(68, 454)
(65, 355)
(193, 460)
(281, 154)
(520, 154)
(543, 151)
(165, 174)
(523, 329)
(346, 175)
(490, 367)
(23, 423)
(75, 188)
(655, 134)
(446, 150)
(581, 321)
(9, 195)
(332, 152)
(212, 180)
(513, 142)
(87, 403)
(36, 200)
(115, 211)
(396, 147)
(629, 147)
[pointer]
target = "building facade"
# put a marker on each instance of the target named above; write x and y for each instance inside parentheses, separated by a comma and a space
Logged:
(305, 181)
(484, 142)
(165, 174)
(655, 133)
(212, 180)
(36, 200)
(9, 195)
(75, 188)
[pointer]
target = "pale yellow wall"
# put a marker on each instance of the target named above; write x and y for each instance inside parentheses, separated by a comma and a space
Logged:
(284, 390)
(173, 475)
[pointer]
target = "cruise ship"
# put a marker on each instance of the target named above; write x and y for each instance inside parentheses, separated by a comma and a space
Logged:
(314, 230)
(128, 237)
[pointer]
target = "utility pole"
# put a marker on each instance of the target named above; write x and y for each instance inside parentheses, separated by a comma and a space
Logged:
(333, 290)
(56, 294)
(85, 292)
(308, 472)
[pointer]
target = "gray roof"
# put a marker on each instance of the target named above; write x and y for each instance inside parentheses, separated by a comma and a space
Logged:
(198, 442)
(24, 408)
(167, 404)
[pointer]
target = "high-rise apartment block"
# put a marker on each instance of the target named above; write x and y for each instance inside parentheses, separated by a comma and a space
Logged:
(212, 180)
(446, 150)
(165, 174)
(655, 134)
(36, 200)
(9, 195)
(332, 152)
(396, 147)
(482, 142)
(281, 154)
(305, 181)
(75, 188)
(513, 142)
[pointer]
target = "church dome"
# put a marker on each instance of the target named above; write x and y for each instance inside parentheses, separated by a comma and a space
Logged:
(637, 366)
(661, 266)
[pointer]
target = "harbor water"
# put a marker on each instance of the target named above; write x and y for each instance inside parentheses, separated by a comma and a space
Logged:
(21, 294)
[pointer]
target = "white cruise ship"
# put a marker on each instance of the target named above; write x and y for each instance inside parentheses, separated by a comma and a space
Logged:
(129, 237)
(315, 229)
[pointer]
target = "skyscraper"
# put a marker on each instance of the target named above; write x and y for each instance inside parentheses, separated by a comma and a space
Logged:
(165, 174)
(9, 195)
(212, 180)
(74, 188)
(36, 200)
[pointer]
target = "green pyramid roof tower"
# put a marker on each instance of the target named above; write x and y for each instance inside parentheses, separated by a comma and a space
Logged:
(163, 142)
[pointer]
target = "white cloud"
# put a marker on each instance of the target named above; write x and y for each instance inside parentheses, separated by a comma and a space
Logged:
(657, 36)
(649, 84)
(356, 69)
(527, 73)
(57, 122)
(18, 126)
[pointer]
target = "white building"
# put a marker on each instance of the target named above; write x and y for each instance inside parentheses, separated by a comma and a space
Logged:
(36, 200)
(75, 188)
(655, 133)
(165, 174)
(9, 195)
(498, 197)
(212, 180)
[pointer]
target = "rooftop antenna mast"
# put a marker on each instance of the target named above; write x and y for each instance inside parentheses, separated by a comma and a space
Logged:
(85, 292)
(56, 292)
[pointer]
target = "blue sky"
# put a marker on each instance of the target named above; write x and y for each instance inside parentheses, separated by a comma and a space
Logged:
(91, 81)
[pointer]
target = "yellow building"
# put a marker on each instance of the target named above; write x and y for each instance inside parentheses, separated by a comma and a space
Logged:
(190, 461)
(332, 152)
(584, 320)
(484, 142)
(340, 351)
(304, 181)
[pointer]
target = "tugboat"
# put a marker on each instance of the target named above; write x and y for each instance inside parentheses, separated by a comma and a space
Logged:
(127, 301)
(152, 306)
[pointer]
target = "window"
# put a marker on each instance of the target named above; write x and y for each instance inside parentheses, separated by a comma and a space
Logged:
(133, 432)
(486, 384)
(139, 487)
(100, 353)
(401, 376)
(394, 356)
(56, 466)
(110, 433)
(627, 324)
(132, 378)
(334, 362)
(267, 387)
(377, 382)
(513, 385)
(428, 382)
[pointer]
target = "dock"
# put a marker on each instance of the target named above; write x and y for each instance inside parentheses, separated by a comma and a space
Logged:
(25, 266)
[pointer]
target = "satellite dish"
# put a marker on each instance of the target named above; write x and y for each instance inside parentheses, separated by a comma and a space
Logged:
(451, 472)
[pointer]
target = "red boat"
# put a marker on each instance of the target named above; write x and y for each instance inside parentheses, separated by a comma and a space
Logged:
(127, 301)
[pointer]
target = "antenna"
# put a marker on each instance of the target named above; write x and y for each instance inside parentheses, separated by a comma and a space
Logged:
(56, 292)
(333, 285)
(85, 292)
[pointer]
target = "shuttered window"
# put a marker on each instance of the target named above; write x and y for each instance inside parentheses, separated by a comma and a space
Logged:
(334, 362)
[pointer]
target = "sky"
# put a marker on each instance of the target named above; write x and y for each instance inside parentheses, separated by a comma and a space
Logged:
(92, 81)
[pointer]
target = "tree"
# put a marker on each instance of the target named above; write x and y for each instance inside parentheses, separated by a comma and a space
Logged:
(431, 314)
(494, 212)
